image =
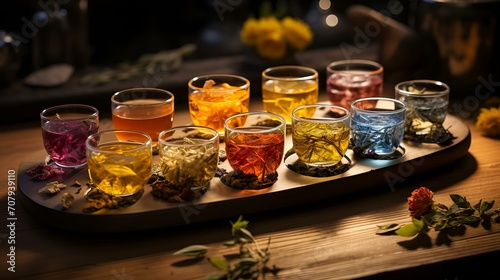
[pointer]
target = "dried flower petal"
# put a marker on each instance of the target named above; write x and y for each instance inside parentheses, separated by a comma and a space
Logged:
(420, 201)
(67, 200)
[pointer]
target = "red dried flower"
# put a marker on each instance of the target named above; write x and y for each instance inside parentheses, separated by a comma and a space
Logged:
(420, 201)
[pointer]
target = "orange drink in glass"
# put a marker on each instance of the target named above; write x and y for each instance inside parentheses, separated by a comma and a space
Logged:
(145, 109)
(213, 98)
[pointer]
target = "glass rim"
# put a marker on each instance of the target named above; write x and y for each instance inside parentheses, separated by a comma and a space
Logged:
(115, 131)
(313, 75)
(206, 128)
(93, 112)
(379, 67)
(262, 130)
(323, 119)
(446, 88)
(168, 100)
(246, 84)
(395, 111)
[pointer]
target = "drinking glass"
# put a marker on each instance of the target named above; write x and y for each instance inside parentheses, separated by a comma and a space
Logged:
(255, 142)
(64, 131)
(189, 155)
(285, 88)
(323, 139)
(119, 161)
(145, 109)
(377, 125)
(426, 104)
(213, 98)
(348, 80)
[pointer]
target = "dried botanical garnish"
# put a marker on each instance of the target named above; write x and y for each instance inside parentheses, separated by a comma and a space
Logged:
(67, 200)
(238, 180)
(361, 152)
(436, 134)
(52, 188)
(317, 171)
(97, 200)
(427, 214)
(42, 172)
(251, 263)
(174, 193)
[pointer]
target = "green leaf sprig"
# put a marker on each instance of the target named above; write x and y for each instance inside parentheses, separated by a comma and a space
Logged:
(440, 217)
(250, 262)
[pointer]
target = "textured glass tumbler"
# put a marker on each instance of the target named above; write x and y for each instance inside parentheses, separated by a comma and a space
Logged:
(377, 125)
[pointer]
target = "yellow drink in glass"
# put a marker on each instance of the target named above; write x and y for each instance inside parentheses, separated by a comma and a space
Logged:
(119, 168)
(285, 88)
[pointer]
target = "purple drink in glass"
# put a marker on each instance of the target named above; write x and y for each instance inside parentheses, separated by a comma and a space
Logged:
(64, 131)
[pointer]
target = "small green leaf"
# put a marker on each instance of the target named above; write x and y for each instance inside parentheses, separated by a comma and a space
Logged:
(383, 229)
(419, 224)
(216, 276)
(239, 224)
(460, 201)
(485, 206)
(193, 250)
(248, 261)
(218, 263)
(408, 230)
(248, 235)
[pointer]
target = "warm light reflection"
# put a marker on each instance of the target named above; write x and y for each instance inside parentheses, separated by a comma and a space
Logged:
(324, 4)
(332, 20)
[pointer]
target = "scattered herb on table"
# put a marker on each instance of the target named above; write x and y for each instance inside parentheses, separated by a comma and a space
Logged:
(426, 214)
(252, 262)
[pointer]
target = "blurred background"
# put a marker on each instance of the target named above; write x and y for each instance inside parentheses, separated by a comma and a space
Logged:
(455, 41)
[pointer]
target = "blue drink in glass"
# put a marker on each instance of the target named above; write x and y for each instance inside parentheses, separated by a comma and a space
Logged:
(377, 125)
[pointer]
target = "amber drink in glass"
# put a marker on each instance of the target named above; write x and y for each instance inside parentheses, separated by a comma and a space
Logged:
(213, 98)
(145, 109)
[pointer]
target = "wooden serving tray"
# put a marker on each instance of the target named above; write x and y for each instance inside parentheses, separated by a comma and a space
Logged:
(221, 201)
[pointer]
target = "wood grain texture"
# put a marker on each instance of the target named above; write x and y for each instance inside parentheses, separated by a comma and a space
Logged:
(327, 239)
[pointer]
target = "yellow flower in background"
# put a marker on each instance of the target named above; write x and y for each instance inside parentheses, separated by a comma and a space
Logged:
(272, 45)
(488, 121)
(297, 33)
(272, 38)
(250, 32)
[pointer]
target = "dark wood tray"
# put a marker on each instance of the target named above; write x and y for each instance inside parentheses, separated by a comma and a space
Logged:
(221, 201)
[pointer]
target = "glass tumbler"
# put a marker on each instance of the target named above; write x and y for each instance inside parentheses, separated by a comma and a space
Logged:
(255, 142)
(119, 161)
(285, 88)
(189, 155)
(321, 140)
(64, 131)
(213, 98)
(377, 125)
(426, 104)
(145, 109)
(348, 80)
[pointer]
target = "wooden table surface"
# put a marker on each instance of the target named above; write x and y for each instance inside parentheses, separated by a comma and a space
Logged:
(330, 239)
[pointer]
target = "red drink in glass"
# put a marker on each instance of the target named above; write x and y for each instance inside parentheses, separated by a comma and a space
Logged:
(255, 142)
(255, 153)
(350, 80)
